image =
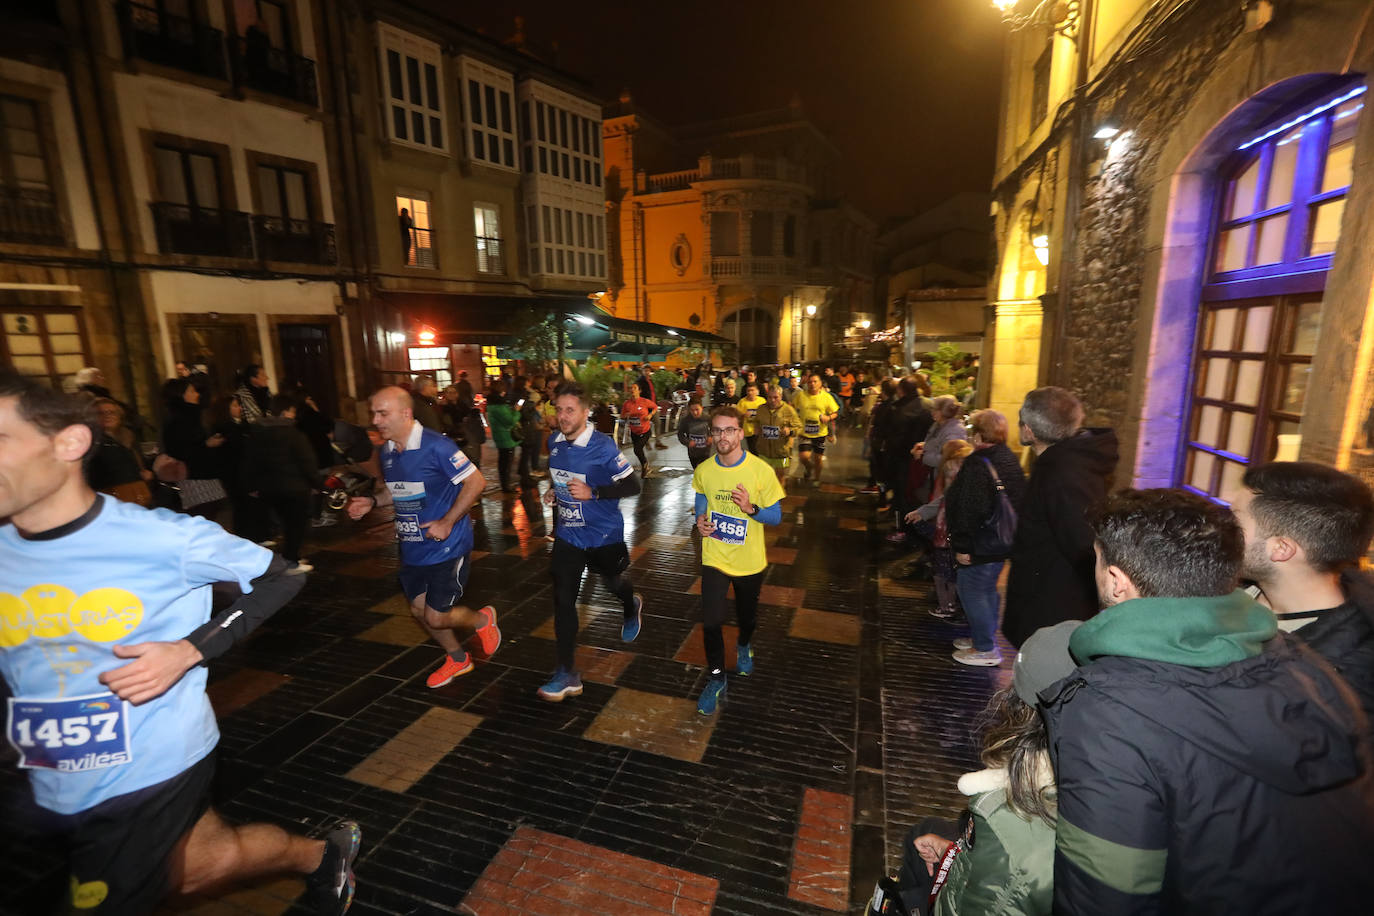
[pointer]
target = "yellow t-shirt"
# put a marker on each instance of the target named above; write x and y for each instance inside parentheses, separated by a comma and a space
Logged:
(748, 406)
(811, 408)
(736, 548)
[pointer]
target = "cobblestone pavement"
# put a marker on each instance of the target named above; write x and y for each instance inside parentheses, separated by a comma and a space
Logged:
(479, 797)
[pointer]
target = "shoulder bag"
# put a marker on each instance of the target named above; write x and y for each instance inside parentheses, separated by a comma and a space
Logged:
(995, 536)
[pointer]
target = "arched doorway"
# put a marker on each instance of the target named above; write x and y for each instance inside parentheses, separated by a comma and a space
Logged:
(755, 331)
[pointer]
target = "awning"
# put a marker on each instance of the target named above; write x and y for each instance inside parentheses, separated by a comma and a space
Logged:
(593, 331)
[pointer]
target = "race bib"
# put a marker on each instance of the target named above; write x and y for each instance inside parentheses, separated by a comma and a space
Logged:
(772, 432)
(569, 509)
(812, 428)
(696, 441)
(753, 411)
(71, 735)
(408, 528)
(729, 528)
(570, 515)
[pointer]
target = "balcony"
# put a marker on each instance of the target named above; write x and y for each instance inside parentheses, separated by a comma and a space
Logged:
(421, 253)
(299, 241)
(260, 66)
(172, 41)
(489, 257)
(202, 231)
(767, 268)
(29, 216)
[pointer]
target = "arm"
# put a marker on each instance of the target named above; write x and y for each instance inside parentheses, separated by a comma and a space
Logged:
(620, 489)
(473, 485)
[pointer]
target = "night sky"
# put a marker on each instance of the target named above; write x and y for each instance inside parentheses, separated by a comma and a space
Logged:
(907, 89)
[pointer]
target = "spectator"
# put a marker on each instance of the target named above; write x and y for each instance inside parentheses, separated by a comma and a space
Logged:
(184, 440)
(407, 227)
(464, 386)
(1306, 527)
(253, 394)
(450, 414)
(1051, 576)
(909, 423)
(248, 515)
(942, 563)
(425, 391)
(279, 467)
(318, 428)
(92, 381)
(1206, 763)
(1004, 861)
(474, 431)
(504, 420)
(532, 436)
(879, 427)
(947, 426)
(115, 467)
(970, 502)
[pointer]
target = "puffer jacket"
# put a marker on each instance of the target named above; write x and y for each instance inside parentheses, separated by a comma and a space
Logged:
(1344, 636)
(1008, 869)
(1206, 765)
(502, 418)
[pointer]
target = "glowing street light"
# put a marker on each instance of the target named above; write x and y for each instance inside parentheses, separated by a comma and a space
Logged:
(810, 311)
(397, 337)
(426, 337)
(866, 324)
(1041, 244)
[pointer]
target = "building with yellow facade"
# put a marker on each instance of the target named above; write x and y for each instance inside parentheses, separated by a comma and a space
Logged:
(735, 227)
(1180, 197)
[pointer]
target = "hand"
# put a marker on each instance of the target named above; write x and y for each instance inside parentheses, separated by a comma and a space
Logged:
(438, 529)
(549, 496)
(359, 506)
(918, 449)
(580, 490)
(741, 497)
(931, 848)
(912, 517)
(159, 665)
(705, 525)
(214, 441)
(963, 559)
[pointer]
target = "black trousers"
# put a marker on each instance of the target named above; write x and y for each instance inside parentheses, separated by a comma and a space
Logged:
(504, 456)
(293, 508)
(566, 566)
(715, 586)
(529, 462)
(639, 440)
(698, 455)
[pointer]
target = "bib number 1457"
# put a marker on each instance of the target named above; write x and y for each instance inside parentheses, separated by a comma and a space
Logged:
(82, 733)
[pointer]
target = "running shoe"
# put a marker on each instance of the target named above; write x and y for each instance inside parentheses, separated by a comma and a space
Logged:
(963, 642)
(489, 633)
(711, 695)
(448, 671)
(562, 684)
(300, 568)
(332, 885)
(970, 656)
(744, 660)
(943, 613)
(871, 490)
(629, 630)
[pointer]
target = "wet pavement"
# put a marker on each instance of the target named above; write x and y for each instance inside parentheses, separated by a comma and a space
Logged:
(481, 798)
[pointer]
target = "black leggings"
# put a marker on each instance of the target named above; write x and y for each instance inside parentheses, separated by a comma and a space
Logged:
(697, 456)
(639, 440)
(504, 457)
(715, 586)
(566, 566)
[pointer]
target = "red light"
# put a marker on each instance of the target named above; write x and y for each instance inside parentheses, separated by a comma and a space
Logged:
(426, 337)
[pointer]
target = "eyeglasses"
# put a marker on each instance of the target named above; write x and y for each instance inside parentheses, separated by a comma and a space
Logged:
(718, 431)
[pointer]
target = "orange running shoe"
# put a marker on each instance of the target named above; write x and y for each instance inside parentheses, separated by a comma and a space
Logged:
(489, 633)
(448, 671)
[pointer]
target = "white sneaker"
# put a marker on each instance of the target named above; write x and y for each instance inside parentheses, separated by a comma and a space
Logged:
(301, 567)
(963, 642)
(989, 659)
(269, 543)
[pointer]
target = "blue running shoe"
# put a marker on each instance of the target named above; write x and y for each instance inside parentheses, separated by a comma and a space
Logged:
(744, 660)
(562, 684)
(711, 696)
(629, 630)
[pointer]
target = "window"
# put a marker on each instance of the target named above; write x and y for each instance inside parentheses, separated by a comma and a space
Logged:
(187, 177)
(417, 238)
(413, 89)
(1040, 86)
(284, 192)
(490, 116)
(724, 234)
(487, 230)
(28, 206)
(760, 233)
(46, 344)
(431, 361)
(789, 237)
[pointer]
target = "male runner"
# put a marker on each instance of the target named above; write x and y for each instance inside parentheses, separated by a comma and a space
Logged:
(432, 486)
(105, 630)
(589, 476)
(749, 405)
(736, 494)
(694, 431)
(817, 409)
(778, 425)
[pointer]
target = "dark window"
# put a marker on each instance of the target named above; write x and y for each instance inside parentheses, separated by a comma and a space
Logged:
(544, 160)
(529, 158)
(725, 234)
(398, 121)
(284, 192)
(760, 233)
(566, 173)
(393, 66)
(187, 178)
(576, 134)
(432, 86)
(563, 129)
(479, 144)
(525, 120)
(1040, 86)
(789, 237)
(491, 105)
(474, 102)
(413, 78)
(509, 148)
(505, 112)
(539, 118)
(28, 208)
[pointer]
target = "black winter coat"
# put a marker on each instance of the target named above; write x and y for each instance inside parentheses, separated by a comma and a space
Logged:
(907, 424)
(1051, 576)
(183, 437)
(972, 496)
(1203, 791)
(1344, 636)
(277, 458)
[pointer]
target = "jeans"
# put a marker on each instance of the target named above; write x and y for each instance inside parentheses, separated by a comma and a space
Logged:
(977, 586)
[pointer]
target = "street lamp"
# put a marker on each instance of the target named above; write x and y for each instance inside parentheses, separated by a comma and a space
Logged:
(866, 324)
(1060, 15)
(1041, 244)
(810, 311)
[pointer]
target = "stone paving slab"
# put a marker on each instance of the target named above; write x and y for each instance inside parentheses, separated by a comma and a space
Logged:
(479, 797)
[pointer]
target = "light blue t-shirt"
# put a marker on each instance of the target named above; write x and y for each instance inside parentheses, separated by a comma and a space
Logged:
(424, 481)
(129, 575)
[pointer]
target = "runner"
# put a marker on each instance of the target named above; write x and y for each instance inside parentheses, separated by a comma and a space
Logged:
(588, 477)
(694, 431)
(817, 409)
(638, 414)
(778, 425)
(105, 630)
(432, 486)
(736, 494)
(749, 405)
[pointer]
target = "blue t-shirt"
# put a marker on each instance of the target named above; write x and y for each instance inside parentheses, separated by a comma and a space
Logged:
(127, 576)
(424, 480)
(595, 459)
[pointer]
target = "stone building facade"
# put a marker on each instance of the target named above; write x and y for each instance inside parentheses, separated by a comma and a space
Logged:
(1181, 200)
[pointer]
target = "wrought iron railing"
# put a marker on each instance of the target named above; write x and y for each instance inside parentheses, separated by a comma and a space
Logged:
(29, 216)
(300, 241)
(421, 250)
(260, 66)
(173, 41)
(202, 231)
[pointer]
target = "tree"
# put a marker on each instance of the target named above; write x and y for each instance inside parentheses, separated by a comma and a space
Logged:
(946, 372)
(536, 334)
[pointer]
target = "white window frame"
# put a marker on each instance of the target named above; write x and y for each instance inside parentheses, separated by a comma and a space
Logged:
(486, 217)
(431, 260)
(425, 53)
(473, 72)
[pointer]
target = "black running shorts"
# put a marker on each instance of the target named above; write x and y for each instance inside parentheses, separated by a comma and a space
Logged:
(442, 584)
